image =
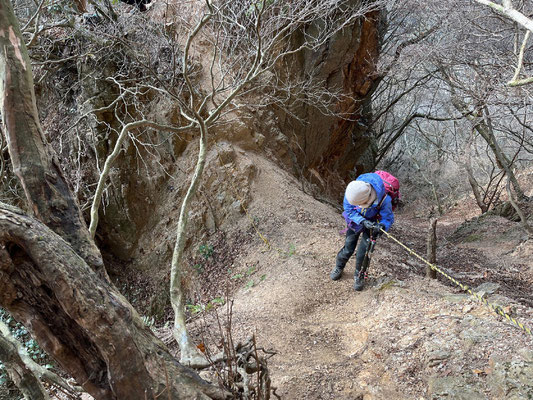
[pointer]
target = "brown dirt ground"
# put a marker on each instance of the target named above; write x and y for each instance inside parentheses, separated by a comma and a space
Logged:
(398, 338)
(334, 343)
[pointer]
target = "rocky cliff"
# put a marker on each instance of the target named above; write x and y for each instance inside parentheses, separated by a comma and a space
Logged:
(150, 178)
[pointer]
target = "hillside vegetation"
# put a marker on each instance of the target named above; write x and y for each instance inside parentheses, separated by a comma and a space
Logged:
(172, 176)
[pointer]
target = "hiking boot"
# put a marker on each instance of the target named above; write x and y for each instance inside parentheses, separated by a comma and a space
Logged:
(336, 274)
(359, 282)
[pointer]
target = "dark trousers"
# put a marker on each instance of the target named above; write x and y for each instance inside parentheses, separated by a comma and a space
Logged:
(349, 248)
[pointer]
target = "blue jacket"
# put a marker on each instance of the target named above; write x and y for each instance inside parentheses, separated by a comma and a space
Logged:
(355, 215)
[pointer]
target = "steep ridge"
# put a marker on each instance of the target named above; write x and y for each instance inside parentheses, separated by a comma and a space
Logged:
(403, 337)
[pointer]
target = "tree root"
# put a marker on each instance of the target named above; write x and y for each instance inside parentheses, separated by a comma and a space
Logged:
(199, 361)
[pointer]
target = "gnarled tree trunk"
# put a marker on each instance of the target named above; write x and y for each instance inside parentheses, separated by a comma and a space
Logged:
(34, 162)
(82, 320)
(51, 279)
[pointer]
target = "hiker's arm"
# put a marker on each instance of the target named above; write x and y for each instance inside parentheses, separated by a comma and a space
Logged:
(352, 213)
(387, 216)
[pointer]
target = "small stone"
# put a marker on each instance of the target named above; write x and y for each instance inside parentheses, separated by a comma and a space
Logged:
(487, 288)
(437, 357)
(467, 308)
(451, 387)
(456, 298)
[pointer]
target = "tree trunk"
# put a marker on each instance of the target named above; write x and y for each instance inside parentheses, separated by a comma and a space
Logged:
(481, 123)
(484, 128)
(82, 321)
(521, 215)
(432, 247)
(48, 278)
(21, 375)
(189, 354)
(471, 177)
(34, 162)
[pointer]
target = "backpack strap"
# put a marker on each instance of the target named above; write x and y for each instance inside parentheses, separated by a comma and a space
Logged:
(382, 201)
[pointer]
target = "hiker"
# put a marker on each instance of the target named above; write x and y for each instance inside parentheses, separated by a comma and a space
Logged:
(367, 208)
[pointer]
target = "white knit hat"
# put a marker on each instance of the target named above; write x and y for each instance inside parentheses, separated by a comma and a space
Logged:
(359, 193)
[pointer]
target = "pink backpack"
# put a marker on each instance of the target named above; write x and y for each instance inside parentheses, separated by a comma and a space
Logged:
(392, 187)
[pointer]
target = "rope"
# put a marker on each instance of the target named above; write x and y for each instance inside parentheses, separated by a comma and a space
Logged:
(497, 309)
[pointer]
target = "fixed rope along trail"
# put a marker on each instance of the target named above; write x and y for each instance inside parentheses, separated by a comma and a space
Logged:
(497, 309)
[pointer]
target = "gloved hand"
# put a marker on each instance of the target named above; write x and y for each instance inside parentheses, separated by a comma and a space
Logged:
(378, 229)
(368, 224)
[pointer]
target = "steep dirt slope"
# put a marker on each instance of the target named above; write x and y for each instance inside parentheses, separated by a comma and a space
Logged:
(403, 337)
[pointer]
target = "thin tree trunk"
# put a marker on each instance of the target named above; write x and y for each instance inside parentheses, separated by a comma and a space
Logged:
(20, 374)
(110, 160)
(523, 218)
(431, 245)
(501, 159)
(436, 197)
(475, 187)
(481, 123)
(484, 128)
(429, 182)
(471, 178)
(189, 353)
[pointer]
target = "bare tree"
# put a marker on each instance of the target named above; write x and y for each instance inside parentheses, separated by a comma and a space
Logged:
(47, 282)
(507, 9)
(523, 219)
(482, 123)
(460, 73)
(516, 80)
(249, 42)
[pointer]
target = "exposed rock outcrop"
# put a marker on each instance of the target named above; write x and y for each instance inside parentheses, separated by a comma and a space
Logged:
(146, 180)
(329, 147)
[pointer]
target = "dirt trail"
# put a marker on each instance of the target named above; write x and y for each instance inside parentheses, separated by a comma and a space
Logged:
(403, 337)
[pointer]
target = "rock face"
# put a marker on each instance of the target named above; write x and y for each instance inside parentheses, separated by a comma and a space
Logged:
(512, 377)
(327, 147)
(146, 180)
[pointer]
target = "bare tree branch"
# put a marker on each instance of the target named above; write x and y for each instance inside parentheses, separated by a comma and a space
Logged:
(515, 81)
(507, 9)
(113, 156)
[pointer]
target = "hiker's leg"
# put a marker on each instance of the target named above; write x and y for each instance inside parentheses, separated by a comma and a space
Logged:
(361, 250)
(344, 254)
(359, 278)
